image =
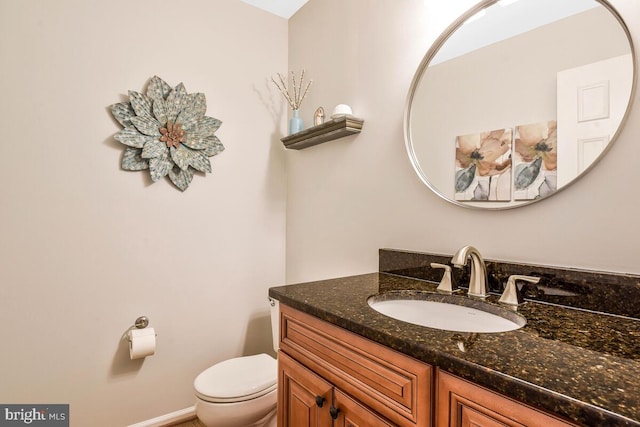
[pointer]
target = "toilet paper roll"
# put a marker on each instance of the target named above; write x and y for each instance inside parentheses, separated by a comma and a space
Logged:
(142, 343)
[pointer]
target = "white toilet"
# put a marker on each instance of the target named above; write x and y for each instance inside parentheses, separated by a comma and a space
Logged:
(240, 392)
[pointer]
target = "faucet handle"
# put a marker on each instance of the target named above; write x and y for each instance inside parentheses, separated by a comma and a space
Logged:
(446, 285)
(511, 295)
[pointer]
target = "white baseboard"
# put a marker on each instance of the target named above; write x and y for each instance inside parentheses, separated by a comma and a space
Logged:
(169, 419)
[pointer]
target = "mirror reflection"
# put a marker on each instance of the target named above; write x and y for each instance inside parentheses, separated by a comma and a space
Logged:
(519, 98)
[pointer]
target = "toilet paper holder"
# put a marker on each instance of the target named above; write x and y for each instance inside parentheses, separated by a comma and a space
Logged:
(141, 322)
(141, 338)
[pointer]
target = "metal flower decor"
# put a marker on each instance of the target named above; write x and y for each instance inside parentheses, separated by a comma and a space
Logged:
(166, 131)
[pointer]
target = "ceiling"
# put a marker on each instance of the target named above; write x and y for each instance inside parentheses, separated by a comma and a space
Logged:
(283, 8)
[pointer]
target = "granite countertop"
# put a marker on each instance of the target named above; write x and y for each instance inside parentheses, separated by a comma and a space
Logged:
(582, 366)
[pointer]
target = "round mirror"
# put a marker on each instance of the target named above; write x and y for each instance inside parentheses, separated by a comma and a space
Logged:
(519, 98)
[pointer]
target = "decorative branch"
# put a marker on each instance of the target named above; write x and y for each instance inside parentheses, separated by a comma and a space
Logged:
(282, 88)
(298, 95)
(295, 89)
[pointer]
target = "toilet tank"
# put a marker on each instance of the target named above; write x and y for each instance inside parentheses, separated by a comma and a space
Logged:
(275, 322)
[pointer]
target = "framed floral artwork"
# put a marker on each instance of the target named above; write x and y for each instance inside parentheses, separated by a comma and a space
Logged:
(483, 166)
(535, 158)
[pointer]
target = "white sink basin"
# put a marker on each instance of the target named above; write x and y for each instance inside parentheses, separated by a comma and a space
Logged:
(447, 312)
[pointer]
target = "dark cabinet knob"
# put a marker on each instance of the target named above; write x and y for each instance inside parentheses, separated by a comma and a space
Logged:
(334, 412)
(319, 401)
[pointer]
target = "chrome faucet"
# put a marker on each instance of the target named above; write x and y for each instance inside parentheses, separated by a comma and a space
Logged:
(478, 280)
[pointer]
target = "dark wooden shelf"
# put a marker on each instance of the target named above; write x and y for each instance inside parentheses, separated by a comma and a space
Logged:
(327, 131)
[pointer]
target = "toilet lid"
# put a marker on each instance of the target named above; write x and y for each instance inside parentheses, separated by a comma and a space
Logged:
(238, 379)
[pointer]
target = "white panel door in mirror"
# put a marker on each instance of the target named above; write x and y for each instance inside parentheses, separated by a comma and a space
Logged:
(592, 100)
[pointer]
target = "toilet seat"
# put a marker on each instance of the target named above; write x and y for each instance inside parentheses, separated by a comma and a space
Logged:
(238, 379)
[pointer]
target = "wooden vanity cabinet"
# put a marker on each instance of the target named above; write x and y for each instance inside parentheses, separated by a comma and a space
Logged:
(460, 403)
(331, 377)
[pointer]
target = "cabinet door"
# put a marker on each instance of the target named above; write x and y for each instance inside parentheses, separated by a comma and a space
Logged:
(353, 414)
(464, 404)
(396, 386)
(304, 398)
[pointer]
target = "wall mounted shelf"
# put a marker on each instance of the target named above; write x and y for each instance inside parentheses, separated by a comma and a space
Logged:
(327, 131)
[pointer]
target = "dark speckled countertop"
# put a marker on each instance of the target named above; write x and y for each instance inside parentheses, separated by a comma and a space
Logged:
(581, 365)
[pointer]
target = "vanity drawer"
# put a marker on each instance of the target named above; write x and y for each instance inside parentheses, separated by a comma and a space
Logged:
(394, 385)
(461, 403)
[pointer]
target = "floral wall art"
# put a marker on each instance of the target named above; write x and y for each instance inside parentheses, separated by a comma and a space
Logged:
(535, 160)
(166, 131)
(483, 166)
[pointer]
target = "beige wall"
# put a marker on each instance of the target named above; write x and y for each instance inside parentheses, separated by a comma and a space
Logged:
(85, 247)
(349, 197)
